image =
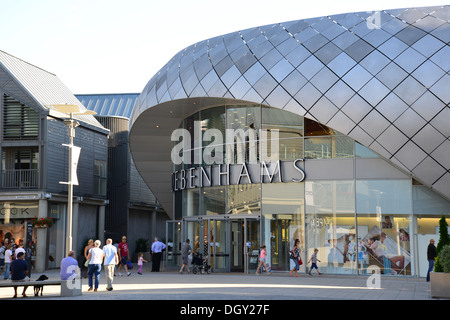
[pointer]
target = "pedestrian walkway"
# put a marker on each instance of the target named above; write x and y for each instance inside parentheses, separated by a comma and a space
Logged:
(170, 285)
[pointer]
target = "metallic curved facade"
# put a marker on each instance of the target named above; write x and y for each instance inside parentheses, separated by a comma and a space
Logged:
(381, 78)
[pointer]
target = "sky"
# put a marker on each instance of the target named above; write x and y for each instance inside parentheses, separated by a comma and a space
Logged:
(111, 46)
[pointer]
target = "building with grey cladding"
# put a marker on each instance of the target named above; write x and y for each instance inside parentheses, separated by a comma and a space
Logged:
(35, 161)
(366, 96)
(132, 209)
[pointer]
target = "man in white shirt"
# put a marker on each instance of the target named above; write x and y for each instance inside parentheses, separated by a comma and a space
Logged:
(111, 259)
(157, 248)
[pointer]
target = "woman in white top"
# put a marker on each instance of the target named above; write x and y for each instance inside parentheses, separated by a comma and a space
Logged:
(95, 258)
(8, 260)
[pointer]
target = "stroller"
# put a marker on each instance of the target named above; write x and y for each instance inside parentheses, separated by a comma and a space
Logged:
(200, 265)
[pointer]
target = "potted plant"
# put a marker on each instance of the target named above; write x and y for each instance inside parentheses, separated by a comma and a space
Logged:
(142, 246)
(42, 222)
(440, 278)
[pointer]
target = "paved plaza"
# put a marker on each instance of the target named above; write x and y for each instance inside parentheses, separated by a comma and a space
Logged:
(170, 285)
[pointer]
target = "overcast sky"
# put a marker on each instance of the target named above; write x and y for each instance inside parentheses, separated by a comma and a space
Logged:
(111, 46)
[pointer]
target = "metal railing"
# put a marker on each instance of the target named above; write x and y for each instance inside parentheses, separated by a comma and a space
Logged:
(20, 179)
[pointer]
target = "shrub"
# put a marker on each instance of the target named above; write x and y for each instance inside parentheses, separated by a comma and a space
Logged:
(444, 259)
(444, 241)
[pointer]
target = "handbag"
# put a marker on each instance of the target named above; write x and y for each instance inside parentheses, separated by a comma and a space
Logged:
(291, 254)
(87, 262)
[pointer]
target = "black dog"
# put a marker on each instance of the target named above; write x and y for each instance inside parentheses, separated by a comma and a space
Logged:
(37, 287)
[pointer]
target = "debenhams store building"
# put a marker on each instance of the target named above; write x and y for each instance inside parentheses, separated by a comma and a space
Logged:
(332, 130)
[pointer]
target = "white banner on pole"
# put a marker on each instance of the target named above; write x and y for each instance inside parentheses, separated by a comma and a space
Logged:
(75, 157)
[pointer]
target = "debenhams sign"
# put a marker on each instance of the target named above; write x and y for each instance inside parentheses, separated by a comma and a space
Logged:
(232, 174)
(239, 146)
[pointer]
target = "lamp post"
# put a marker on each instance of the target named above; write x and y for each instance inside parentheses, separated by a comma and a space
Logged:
(71, 123)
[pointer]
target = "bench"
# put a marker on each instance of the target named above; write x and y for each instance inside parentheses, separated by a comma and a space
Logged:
(69, 288)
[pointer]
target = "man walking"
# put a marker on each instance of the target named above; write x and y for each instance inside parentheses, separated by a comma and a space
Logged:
(431, 256)
(111, 259)
(124, 255)
(157, 249)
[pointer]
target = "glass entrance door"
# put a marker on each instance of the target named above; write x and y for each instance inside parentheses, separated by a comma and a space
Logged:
(174, 241)
(244, 239)
(237, 245)
(224, 242)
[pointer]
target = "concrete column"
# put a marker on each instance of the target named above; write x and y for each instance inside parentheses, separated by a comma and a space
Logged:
(41, 239)
(153, 227)
(101, 224)
(75, 228)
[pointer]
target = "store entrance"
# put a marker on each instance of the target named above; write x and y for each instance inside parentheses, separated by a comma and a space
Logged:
(223, 240)
(244, 241)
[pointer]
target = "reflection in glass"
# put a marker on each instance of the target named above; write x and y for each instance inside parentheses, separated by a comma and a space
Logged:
(213, 200)
(242, 145)
(383, 196)
(191, 202)
(330, 196)
(245, 198)
(213, 125)
(318, 148)
(335, 238)
(290, 134)
(363, 152)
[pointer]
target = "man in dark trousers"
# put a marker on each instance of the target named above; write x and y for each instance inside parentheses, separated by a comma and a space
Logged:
(431, 256)
(157, 248)
(19, 272)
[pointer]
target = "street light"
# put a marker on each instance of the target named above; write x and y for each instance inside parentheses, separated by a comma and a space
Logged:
(70, 111)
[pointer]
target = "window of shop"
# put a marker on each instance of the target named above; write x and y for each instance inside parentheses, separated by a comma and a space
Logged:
(428, 210)
(100, 176)
(282, 222)
(330, 225)
(384, 211)
(244, 199)
(290, 134)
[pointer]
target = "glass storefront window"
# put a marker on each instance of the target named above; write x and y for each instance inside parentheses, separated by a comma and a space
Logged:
(282, 208)
(213, 200)
(330, 197)
(245, 122)
(427, 228)
(427, 202)
(290, 134)
(191, 202)
(384, 242)
(383, 196)
(318, 148)
(244, 199)
(329, 147)
(213, 119)
(334, 236)
(363, 152)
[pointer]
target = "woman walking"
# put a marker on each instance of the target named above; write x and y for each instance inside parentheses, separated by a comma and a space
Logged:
(295, 256)
(95, 258)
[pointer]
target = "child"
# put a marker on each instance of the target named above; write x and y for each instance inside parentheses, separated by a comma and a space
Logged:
(262, 260)
(141, 262)
(314, 262)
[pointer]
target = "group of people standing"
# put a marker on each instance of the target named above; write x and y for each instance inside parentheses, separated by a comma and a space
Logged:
(110, 256)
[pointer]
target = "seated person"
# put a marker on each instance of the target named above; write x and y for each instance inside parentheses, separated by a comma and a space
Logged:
(19, 272)
(69, 267)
